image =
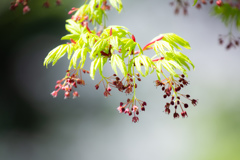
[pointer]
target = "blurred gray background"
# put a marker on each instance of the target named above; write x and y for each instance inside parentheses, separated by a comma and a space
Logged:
(34, 126)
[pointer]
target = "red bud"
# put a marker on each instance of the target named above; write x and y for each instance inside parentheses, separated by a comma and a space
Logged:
(110, 31)
(133, 38)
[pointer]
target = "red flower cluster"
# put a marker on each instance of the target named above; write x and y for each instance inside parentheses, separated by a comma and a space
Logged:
(26, 8)
(69, 82)
(131, 108)
(172, 87)
(125, 84)
(232, 40)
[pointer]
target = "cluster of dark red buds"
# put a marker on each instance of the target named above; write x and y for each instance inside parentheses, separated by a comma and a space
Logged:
(46, 4)
(171, 89)
(183, 4)
(130, 107)
(15, 4)
(125, 84)
(204, 2)
(26, 8)
(232, 41)
(180, 4)
(69, 82)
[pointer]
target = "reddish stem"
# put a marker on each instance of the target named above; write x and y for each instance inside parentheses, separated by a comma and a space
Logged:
(144, 48)
(157, 59)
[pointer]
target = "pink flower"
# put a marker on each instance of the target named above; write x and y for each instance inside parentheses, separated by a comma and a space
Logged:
(106, 93)
(135, 119)
(54, 94)
(119, 109)
(26, 9)
(75, 94)
(135, 108)
(66, 95)
(127, 110)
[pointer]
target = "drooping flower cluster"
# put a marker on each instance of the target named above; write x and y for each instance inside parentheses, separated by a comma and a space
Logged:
(126, 84)
(232, 40)
(130, 107)
(180, 4)
(26, 8)
(227, 10)
(118, 46)
(171, 89)
(69, 82)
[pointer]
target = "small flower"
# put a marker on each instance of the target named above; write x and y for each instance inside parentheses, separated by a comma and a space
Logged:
(58, 2)
(219, 2)
(109, 89)
(135, 119)
(96, 86)
(66, 95)
(135, 108)
(106, 93)
(26, 9)
(167, 110)
(144, 103)
(175, 115)
(184, 114)
(75, 94)
(126, 110)
(46, 4)
(54, 94)
(120, 109)
(194, 102)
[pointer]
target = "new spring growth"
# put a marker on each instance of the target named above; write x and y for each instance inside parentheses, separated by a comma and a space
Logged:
(117, 47)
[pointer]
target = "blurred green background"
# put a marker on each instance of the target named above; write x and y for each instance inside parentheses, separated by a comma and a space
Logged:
(34, 126)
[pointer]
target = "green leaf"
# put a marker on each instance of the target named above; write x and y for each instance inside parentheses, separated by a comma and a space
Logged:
(119, 31)
(117, 61)
(114, 41)
(128, 45)
(74, 59)
(60, 54)
(169, 68)
(70, 50)
(49, 58)
(158, 65)
(145, 61)
(117, 4)
(195, 2)
(103, 61)
(168, 43)
(99, 46)
(73, 27)
(180, 58)
(172, 39)
(93, 67)
(84, 56)
(177, 66)
(97, 63)
(183, 57)
(71, 36)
